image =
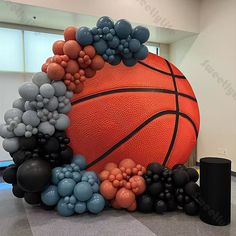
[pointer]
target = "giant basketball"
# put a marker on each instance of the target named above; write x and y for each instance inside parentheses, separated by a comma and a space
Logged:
(147, 112)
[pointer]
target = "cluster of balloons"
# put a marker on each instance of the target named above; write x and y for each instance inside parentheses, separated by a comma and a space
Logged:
(122, 183)
(42, 108)
(74, 190)
(31, 171)
(168, 190)
(116, 42)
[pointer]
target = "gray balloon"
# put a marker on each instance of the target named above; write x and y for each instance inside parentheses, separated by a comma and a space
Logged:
(30, 118)
(28, 106)
(65, 109)
(63, 122)
(47, 91)
(28, 91)
(12, 113)
(46, 128)
(5, 133)
(69, 94)
(11, 145)
(40, 78)
(20, 130)
(60, 88)
(52, 104)
(19, 103)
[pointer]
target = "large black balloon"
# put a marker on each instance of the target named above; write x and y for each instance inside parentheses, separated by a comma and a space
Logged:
(191, 208)
(9, 174)
(28, 143)
(171, 205)
(19, 157)
(66, 155)
(193, 174)
(180, 177)
(160, 206)
(155, 188)
(33, 175)
(145, 203)
(51, 145)
(155, 168)
(192, 189)
(17, 191)
(32, 198)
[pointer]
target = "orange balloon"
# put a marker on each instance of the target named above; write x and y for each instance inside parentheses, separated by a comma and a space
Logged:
(89, 73)
(97, 63)
(139, 183)
(104, 175)
(107, 190)
(71, 48)
(125, 197)
(127, 163)
(109, 166)
(57, 47)
(44, 67)
(55, 71)
(79, 87)
(114, 204)
(132, 207)
(72, 67)
(69, 33)
(90, 51)
(115, 171)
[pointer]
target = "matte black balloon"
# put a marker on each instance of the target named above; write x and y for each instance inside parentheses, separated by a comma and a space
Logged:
(171, 205)
(155, 188)
(32, 198)
(193, 174)
(145, 203)
(9, 174)
(17, 191)
(46, 207)
(51, 145)
(191, 208)
(179, 166)
(28, 143)
(66, 155)
(160, 206)
(34, 175)
(155, 168)
(192, 189)
(19, 157)
(180, 177)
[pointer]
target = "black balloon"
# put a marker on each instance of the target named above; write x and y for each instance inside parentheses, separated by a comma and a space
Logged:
(17, 191)
(193, 174)
(51, 145)
(192, 189)
(32, 198)
(66, 155)
(28, 143)
(34, 175)
(155, 188)
(145, 203)
(191, 208)
(9, 174)
(45, 207)
(155, 168)
(180, 177)
(160, 206)
(179, 166)
(19, 157)
(171, 205)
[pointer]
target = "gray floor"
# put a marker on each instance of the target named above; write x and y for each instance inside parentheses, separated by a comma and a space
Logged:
(18, 218)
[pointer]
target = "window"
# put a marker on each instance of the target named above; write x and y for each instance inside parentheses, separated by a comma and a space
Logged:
(11, 50)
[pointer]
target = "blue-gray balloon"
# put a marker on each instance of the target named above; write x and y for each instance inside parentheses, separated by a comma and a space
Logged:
(141, 33)
(11, 114)
(129, 61)
(30, 118)
(28, 91)
(116, 60)
(5, 132)
(134, 45)
(11, 145)
(19, 103)
(100, 46)
(123, 29)
(84, 36)
(52, 104)
(69, 94)
(114, 43)
(105, 21)
(20, 129)
(47, 90)
(63, 122)
(59, 87)
(46, 128)
(142, 53)
(40, 78)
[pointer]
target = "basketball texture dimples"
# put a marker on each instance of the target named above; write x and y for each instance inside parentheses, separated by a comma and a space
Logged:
(147, 112)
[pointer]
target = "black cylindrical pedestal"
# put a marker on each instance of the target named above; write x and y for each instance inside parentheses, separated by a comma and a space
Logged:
(215, 185)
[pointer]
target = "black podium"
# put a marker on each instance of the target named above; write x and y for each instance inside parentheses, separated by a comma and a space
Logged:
(215, 185)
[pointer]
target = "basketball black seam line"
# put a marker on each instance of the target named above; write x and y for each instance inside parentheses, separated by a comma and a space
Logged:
(161, 71)
(156, 90)
(136, 130)
(176, 119)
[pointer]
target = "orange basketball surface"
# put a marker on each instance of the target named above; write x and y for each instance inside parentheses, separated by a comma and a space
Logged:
(147, 112)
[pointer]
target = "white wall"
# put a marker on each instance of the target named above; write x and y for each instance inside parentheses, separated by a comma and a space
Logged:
(209, 62)
(174, 14)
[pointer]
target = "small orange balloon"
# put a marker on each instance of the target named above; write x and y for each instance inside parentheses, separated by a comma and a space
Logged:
(109, 166)
(104, 175)
(132, 207)
(57, 47)
(127, 163)
(115, 171)
(125, 197)
(55, 71)
(72, 67)
(89, 73)
(71, 48)
(69, 33)
(79, 87)
(107, 190)
(90, 51)
(139, 183)
(97, 63)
